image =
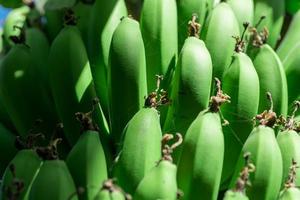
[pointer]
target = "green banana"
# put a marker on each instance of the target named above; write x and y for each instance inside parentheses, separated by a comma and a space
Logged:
(217, 37)
(104, 19)
(70, 77)
(291, 63)
(141, 148)
(15, 18)
(201, 160)
(191, 85)
(83, 12)
(241, 83)
(292, 6)
(290, 39)
(243, 10)
(86, 160)
(187, 8)
(266, 157)
(159, 31)
(24, 167)
(238, 192)
(7, 148)
(127, 75)
(53, 181)
(291, 191)
(160, 182)
(54, 23)
(110, 191)
(272, 78)
(274, 11)
(289, 143)
(21, 91)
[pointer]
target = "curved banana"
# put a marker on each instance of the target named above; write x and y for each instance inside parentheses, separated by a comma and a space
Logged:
(244, 12)
(265, 156)
(23, 167)
(20, 89)
(289, 143)
(274, 12)
(141, 148)
(53, 181)
(272, 78)
(218, 37)
(160, 182)
(127, 75)
(191, 85)
(7, 148)
(159, 31)
(200, 164)
(70, 76)
(241, 83)
(86, 161)
(291, 38)
(104, 19)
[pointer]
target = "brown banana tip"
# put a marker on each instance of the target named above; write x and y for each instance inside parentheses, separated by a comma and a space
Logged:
(194, 27)
(268, 117)
(217, 101)
(291, 180)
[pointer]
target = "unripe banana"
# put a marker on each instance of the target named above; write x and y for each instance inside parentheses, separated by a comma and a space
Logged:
(70, 77)
(160, 182)
(217, 37)
(104, 19)
(83, 11)
(243, 10)
(266, 156)
(232, 195)
(289, 143)
(274, 11)
(86, 162)
(23, 167)
(54, 23)
(291, 38)
(292, 193)
(18, 91)
(272, 78)
(141, 148)
(200, 164)
(16, 17)
(127, 75)
(291, 63)
(159, 31)
(110, 191)
(191, 86)
(241, 83)
(7, 148)
(53, 181)
(186, 8)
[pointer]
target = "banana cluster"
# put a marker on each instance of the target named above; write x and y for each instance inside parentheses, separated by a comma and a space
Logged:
(150, 99)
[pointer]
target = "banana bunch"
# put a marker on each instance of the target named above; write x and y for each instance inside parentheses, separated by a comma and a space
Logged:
(150, 99)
